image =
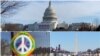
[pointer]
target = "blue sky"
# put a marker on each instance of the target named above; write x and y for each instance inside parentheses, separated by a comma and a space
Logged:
(55, 0)
(42, 38)
(6, 36)
(68, 11)
(86, 40)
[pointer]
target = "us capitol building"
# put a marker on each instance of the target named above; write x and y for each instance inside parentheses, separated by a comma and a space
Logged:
(48, 23)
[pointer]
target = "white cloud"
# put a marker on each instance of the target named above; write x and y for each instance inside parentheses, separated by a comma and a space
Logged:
(66, 11)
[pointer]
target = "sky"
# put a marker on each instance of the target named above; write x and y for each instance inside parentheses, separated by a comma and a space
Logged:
(42, 39)
(86, 40)
(68, 11)
(5, 36)
(55, 0)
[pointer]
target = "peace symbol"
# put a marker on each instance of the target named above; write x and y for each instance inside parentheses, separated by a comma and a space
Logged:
(22, 44)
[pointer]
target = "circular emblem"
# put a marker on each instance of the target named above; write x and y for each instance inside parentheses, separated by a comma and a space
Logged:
(23, 44)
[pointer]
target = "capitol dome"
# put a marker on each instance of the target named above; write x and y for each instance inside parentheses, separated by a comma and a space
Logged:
(49, 14)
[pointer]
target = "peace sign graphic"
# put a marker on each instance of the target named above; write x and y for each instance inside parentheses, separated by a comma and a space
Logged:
(23, 44)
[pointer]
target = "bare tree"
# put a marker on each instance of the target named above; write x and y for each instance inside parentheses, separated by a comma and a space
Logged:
(5, 48)
(9, 8)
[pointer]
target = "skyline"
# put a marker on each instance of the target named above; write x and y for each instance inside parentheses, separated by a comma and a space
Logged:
(86, 40)
(68, 11)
